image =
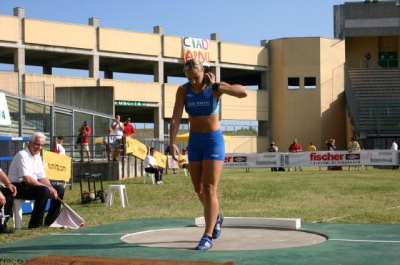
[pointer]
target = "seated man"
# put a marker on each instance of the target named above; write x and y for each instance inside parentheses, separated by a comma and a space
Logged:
(150, 166)
(7, 193)
(28, 176)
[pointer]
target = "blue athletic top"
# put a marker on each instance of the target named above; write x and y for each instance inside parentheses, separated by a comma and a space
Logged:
(200, 104)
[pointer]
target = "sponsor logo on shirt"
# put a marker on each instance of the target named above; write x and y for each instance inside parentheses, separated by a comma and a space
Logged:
(199, 104)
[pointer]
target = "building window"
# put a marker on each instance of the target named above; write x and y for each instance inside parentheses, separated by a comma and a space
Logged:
(293, 83)
(310, 82)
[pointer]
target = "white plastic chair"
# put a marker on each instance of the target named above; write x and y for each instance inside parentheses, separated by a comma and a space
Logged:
(17, 212)
(151, 175)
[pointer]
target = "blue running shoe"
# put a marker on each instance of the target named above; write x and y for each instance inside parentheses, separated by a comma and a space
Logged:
(205, 243)
(217, 228)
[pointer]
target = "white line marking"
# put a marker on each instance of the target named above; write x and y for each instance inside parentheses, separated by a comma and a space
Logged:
(371, 241)
(392, 208)
(337, 218)
(89, 234)
(334, 218)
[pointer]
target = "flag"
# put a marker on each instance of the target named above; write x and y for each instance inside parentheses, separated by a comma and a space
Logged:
(68, 218)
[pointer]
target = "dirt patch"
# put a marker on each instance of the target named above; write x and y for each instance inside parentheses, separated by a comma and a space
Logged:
(76, 260)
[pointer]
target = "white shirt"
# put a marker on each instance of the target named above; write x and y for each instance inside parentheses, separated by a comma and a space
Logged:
(394, 146)
(24, 164)
(61, 149)
(149, 160)
(109, 139)
(118, 132)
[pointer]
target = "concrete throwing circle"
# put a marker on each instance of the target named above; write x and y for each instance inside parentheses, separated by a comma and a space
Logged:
(232, 238)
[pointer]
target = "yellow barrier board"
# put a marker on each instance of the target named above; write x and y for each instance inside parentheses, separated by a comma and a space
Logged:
(161, 159)
(136, 148)
(57, 167)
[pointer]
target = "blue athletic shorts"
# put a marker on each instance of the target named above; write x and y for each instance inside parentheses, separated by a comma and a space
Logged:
(206, 146)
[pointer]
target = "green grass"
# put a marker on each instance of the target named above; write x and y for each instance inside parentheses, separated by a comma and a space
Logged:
(365, 196)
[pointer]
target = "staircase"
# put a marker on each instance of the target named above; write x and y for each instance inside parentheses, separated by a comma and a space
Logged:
(376, 100)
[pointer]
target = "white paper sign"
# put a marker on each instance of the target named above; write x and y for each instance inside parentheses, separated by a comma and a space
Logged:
(4, 113)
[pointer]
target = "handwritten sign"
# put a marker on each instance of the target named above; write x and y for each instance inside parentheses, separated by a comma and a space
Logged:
(196, 49)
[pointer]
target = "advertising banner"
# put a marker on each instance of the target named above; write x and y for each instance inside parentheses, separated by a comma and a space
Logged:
(56, 166)
(161, 159)
(136, 148)
(317, 158)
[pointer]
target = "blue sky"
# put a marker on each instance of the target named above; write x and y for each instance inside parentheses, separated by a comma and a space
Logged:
(238, 21)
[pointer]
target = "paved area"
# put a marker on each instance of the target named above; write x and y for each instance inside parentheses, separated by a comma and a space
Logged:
(239, 238)
(367, 244)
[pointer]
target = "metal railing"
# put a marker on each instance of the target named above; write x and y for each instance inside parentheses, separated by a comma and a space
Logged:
(381, 63)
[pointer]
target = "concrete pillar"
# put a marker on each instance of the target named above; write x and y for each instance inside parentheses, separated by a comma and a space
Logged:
(158, 30)
(216, 37)
(159, 78)
(158, 123)
(94, 61)
(47, 70)
(159, 72)
(19, 54)
(108, 75)
(94, 68)
(265, 77)
(216, 69)
(264, 127)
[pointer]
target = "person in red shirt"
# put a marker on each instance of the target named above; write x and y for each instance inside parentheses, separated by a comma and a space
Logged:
(294, 148)
(129, 130)
(84, 132)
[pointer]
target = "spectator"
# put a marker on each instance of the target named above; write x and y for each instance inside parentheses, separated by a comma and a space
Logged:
(84, 132)
(28, 176)
(331, 144)
(7, 193)
(167, 152)
(150, 166)
(273, 148)
(368, 59)
(294, 148)
(118, 131)
(129, 130)
(58, 147)
(353, 146)
(109, 143)
(311, 148)
(183, 160)
(394, 147)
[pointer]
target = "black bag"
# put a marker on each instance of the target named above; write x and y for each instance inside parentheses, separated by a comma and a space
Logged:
(79, 139)
(281, 169)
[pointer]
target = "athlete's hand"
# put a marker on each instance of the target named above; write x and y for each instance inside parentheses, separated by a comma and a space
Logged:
(211, 77)
(173, 150)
